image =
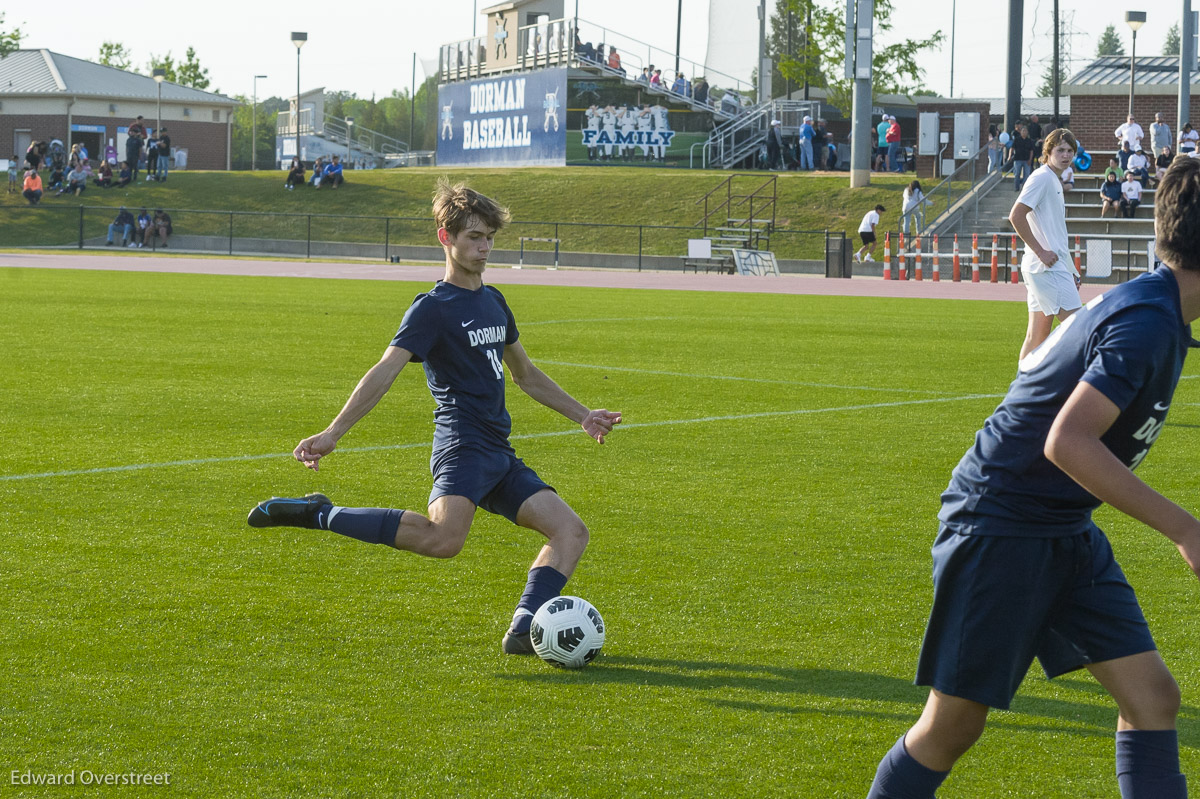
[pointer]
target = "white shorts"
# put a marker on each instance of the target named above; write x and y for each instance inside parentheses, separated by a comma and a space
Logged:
(1051, 291)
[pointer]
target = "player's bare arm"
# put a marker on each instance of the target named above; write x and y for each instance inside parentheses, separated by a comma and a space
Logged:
(1020, 222)
(538, 385)
(1074, 446)
(366, 395)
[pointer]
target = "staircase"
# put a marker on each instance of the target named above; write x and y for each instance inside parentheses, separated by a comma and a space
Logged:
(739, 214)
(737, 142)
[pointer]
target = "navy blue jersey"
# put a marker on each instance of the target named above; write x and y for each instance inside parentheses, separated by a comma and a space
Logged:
(460, 335)
(1130, 345)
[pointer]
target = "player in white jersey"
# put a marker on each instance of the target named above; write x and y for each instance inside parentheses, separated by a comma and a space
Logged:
(645, 125)
(1039, 217)
(626, 122)
(608, 123)
(592, 122)
(661, 123)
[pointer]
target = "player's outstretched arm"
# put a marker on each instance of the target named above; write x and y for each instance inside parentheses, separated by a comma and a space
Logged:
(1074, 446)
(370, 389)
(533, 381)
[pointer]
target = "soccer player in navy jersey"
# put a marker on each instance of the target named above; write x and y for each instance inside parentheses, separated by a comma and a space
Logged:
(465, 334)
(1020, 570)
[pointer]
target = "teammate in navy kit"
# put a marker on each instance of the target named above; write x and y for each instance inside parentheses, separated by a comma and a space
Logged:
(1020, 570)
(465, 334)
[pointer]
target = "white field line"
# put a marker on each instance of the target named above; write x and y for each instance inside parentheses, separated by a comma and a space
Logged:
(741, 379)
(528, 436)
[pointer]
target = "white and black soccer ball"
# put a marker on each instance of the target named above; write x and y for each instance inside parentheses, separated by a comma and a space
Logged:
(567, 631)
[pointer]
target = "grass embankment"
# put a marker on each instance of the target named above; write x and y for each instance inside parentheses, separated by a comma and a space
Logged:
(586, 198)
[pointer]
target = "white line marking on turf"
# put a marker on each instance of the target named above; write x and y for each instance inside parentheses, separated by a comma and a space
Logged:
(743, 379)
(610, 319)
(377, 448)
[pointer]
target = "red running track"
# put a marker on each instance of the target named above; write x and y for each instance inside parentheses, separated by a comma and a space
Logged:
(504, 275)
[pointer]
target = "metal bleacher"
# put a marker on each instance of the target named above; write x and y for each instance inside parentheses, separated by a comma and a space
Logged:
(740, 125)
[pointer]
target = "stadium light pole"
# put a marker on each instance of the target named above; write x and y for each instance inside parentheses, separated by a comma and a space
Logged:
(1135, 20)
(160, 75)
(298, 39)
(254, 127)
(1187, 62)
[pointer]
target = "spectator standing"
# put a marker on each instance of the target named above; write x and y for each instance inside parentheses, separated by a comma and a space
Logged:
(1110, 194)
(35, 153)
(152, 157)
(700, 94)
(32, 187)
(644, 78)
(1160, 134)
(1188, 139)
(679, 86)
(913, 211)
(164, 155)
(136, 134)
(895, 162)
(866, 232)
(1035, 132)
(12, 175)
(882, 148)
(774, 145)
(994, 148)
(1023, 154)
(1132, 196)
(806, 144)
(124, 223)
(655, 77)
(614, 60)
(1130, 132)
(818, 143)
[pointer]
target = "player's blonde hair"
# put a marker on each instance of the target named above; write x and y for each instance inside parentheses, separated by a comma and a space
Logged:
(1057, 137)
(455, 206)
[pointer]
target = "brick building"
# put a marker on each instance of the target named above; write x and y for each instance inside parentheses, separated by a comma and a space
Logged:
(45, 95)
(1100, 98)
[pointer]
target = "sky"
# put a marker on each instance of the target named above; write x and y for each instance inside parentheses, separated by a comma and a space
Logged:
(368, 48)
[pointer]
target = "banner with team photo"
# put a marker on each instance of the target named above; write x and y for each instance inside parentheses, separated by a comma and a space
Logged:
(614, 123)
(510, 120)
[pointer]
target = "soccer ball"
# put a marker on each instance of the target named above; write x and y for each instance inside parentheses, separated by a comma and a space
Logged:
(567, 631)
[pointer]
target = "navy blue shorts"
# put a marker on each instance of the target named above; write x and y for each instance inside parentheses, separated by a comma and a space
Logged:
(497, 481)
(1001, 601)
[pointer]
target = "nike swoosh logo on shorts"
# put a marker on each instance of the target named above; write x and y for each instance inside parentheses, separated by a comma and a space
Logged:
(464, 324)
(1158, 406)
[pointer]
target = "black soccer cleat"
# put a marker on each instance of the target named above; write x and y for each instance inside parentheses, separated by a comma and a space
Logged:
(517, 643)
(288, 512)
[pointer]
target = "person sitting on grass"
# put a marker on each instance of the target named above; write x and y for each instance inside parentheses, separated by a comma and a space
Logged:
(124, 176)
(56, 179)
(314, 180)
(32, 187)
(104, 176)
(124, 223)
(332, 174)
(160, 226)
(295, 174)
(76, 181)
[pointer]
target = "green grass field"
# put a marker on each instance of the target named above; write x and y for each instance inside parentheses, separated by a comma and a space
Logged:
(594, 200)
(760, 549)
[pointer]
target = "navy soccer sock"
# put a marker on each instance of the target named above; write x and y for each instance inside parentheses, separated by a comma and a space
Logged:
(372, 525)
(545, 583)
(1148, 765)
(900, 776)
